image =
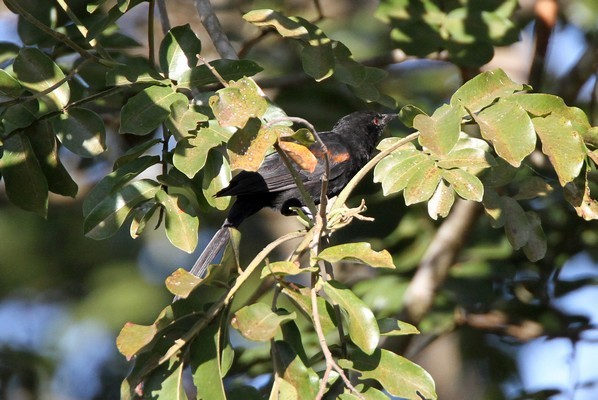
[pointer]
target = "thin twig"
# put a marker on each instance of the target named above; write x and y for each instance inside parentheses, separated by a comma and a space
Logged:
(212, 24)
(227, 298)
(344, 194)
(213, 71)
(164, 20)
(330, 362)
(150, 33)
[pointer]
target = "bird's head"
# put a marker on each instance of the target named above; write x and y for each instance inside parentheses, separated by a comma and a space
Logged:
(370, 123)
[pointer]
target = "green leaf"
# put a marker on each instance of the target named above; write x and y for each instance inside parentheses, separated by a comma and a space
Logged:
(363, 328)
(442, 200)
(216, 176)
(367, 393)
(562, 144)
(19, 116)
(229, 70)
(182, 223)
(517, 226)
(510, 130)
(395, 170)
(190, 154)
(26, 185)
(116, 180)
(109, 215)
(361, 252)
(81, 131)
(399, 376)
(141, 217)
(301, 298)
(181, 282)
(577, 193)
(183, 119)
(484, 89)
(535, 248)
(8, 51)
(145, 111)
(290, 368)
(37, 72)
(318, 61)
(9, 86)
(283, 268)
(423, 182)
(179, 50)
(258, 322)
(45, 148)
(248, 146)
(494, 208)
(440, 132)
(465, 184)
(286, 27)
(205, 362)
(394, 327)
(132, 338)
(236, 104)
(408, 114)
(169, 380)
(469, 159)
(135, 152)
(532, 187)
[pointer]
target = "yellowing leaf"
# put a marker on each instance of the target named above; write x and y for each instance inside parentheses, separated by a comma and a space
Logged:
(361, 252)
(236, 104)
(300, 154)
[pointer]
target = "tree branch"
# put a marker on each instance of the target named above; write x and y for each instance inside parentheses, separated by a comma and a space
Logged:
(212, 24)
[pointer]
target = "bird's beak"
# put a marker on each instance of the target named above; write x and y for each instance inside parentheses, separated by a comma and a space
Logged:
(386, 118)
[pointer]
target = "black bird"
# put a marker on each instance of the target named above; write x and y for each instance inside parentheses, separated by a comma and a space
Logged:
(350, 145)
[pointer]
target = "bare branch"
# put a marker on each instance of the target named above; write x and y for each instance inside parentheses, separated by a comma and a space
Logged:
(164, 20)
(212, 24)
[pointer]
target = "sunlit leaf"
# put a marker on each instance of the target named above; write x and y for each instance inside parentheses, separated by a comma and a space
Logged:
(577, 193)
(439, 132)
(179, 50)
(191, 153)
(248, 146)
(423, 182)
(133, 338)
(510, 130)
(301, 298)
(183, 120)
(396, 169)
(361, 252)
(38, 73)
(236, 104)
(300, 154)
(465, 184)
(363, 328)
(201, 75)
(442, 200)
(216, 176)
(484, 89)
(399, 376)
(289, 367)
(283, 268)
(394, 327)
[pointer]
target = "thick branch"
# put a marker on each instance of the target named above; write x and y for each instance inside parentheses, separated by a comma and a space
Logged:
(212, 24)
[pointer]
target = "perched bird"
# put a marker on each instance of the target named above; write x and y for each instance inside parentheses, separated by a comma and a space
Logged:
(350, 145)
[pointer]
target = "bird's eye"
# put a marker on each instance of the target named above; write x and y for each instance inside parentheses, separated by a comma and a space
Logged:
(377, 119)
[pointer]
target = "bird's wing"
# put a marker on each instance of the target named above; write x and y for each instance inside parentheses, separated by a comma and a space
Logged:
(273, 175)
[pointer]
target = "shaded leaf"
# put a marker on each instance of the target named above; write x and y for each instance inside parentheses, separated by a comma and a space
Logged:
(183, 119)
(510, 130)
(363, 328)
(517, 226)
(301, 298)
(577, 193)
(361, 252)
(181, 223)
(216, 176)
(532, 187)
(283, 268)
(81, 131)
(9, 86)
(43, 143)
(26, 185)
(535, 248)
(399, 376)
(135, 152)
(229, 70)
(408, 114)
(258, 322)
(20, 115)
(318, 60)
(115, 180)
(493, 207)
(290, 368)
(206, 363)
(109, 215)
(37, 72)
(145, 111)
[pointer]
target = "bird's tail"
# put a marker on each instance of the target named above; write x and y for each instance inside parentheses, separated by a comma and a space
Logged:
(216, 244)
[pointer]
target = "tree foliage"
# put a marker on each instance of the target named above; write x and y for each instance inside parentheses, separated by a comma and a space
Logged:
(197, 122)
